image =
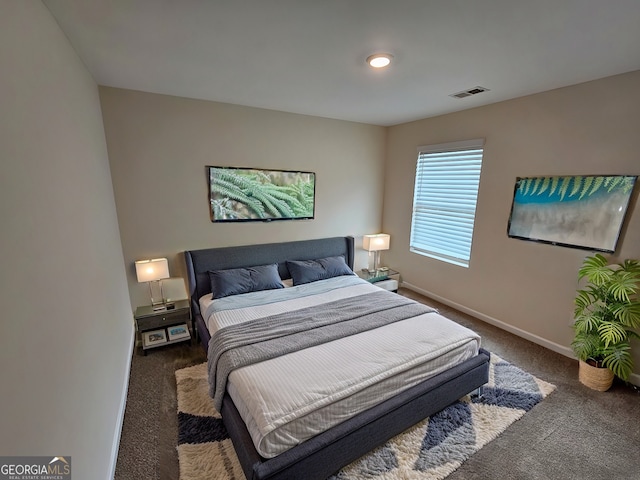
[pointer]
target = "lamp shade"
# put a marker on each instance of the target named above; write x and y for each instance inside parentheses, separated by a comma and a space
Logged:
(150, 270)
(374, 243)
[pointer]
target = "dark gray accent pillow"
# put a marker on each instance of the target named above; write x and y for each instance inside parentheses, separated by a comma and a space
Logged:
(307, 271)
(235, 281)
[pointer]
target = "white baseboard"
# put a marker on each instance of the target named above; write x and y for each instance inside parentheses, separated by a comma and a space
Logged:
(566, 351)
(123, 404)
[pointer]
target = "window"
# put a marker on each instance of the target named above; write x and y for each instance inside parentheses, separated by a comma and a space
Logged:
(444, 200)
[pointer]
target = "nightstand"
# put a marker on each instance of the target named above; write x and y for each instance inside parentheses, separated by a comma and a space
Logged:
(163, 327)
(384, 278)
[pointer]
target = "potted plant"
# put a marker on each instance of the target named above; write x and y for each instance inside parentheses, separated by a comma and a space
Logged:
(606, 313)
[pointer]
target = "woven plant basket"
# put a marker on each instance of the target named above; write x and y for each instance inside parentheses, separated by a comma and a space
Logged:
(595, 378)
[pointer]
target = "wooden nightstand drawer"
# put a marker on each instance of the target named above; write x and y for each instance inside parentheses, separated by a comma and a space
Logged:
(162, 319)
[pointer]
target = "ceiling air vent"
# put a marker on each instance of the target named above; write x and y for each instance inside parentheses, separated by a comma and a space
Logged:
(468, 93)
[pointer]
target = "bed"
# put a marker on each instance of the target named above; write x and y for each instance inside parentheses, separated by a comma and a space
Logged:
(365, 408)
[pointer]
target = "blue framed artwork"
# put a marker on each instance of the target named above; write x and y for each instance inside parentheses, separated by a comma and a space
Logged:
(572, 211)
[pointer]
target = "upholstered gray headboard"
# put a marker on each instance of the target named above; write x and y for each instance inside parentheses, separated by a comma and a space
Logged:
(200, 262)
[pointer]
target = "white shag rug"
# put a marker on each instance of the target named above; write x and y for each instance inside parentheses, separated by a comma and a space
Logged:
(430, 450)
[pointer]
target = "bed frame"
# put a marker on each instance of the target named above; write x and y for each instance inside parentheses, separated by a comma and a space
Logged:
(326, 453)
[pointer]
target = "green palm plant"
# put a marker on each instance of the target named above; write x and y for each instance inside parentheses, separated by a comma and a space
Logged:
(607, 312)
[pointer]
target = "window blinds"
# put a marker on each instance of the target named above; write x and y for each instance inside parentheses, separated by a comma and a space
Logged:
(444, 201)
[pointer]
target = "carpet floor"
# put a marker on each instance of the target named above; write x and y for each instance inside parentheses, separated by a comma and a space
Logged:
(432, 449)
(575, 433)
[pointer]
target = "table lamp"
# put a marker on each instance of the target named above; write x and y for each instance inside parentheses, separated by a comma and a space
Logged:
(153, 270)
(375, 243)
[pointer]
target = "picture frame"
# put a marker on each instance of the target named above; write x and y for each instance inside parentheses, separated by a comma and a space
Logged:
(178, 332)
(238, 194)
(154, 337)
(585, 212)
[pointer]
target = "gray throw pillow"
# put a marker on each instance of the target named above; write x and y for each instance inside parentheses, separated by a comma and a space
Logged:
(307, 271)
(235, 281)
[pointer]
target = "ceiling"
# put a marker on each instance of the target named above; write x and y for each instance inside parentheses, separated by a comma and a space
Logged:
(308, 56)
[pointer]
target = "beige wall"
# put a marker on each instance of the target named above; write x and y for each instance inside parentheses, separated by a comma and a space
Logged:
(159, 146)
(591, 128)
(67, 328)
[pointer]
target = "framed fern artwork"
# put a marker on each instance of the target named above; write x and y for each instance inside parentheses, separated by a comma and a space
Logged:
(584, 212)
(252, 194)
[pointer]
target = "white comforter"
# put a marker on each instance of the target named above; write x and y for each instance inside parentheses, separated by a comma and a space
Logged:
(289, 399)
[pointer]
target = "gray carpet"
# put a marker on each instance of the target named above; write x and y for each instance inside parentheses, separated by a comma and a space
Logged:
(576, 433)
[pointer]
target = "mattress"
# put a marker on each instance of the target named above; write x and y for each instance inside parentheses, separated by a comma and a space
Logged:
(289, 399)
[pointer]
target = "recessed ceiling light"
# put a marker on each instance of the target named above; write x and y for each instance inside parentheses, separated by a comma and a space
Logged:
(379, 60)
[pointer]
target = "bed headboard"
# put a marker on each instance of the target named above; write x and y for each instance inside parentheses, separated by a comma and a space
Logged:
(199, 262)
